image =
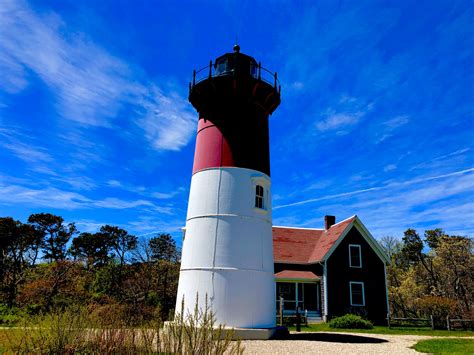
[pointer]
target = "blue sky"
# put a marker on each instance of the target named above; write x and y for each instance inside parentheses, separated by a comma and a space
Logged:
(377, 113)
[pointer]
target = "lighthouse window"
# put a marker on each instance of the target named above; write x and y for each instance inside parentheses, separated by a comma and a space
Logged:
(259, 197)
(221, 67)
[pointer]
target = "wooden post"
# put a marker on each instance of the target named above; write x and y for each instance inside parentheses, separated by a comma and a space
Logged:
(432, 322)
(306, 317)
(298, 319)
(281, 311)
(388, 320)
(448, 323)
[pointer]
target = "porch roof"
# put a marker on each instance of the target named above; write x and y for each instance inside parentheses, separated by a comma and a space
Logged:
(297, 275)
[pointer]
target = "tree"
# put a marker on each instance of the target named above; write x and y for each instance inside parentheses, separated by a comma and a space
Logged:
(454, 265)
(18, 242)
(432, 276)
(121, 243)
(391, 245)
(412, 246)
(94, 248)
(163, 247)
(433, 237)
(413, 252)
(56, 234)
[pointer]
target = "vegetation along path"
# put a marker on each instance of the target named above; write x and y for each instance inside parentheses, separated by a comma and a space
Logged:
(332, 342)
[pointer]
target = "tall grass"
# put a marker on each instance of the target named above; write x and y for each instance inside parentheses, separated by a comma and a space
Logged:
(73, 331)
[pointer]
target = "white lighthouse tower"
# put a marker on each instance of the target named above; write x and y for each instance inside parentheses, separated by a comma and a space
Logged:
(227, 249)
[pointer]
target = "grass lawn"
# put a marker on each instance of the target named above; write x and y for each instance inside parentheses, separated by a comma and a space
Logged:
(324, 327)
(442, 346)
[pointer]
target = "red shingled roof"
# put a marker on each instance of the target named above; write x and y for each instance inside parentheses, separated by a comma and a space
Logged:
(291, 274)
(304, 246)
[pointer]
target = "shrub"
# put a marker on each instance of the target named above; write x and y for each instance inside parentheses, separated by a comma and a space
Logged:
(75, 330)
(9, 316)
(437, 306)
(350, 321)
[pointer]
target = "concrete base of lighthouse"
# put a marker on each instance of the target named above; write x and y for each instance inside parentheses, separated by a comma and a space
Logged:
(247, 333)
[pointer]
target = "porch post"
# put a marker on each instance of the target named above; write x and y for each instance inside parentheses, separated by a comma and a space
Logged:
(318, 297)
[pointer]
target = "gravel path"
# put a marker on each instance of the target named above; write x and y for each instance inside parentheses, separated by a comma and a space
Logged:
(330, 343)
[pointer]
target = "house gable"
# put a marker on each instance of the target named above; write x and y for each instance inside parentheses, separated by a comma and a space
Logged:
(364, 232)
(339, 275)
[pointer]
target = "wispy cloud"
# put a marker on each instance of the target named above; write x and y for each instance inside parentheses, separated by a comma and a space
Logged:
(388, 128)
(50, 197)
(169, 123)
(389, 167)
(376, 188)
(446, 159)
(146, 191)
(338, 120)
(91, 85)
(26, 152)
(153, 224)
(348, 112)
(443, 201)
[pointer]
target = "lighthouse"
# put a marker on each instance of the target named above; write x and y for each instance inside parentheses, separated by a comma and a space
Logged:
(227, 252)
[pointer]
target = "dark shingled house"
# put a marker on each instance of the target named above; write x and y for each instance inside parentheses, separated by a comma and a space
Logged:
(332, 271)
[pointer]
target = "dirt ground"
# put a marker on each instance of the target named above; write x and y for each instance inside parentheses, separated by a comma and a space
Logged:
(331, 343)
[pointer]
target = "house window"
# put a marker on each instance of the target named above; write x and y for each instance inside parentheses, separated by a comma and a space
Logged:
(357, 293)
(259, 197)
(355, 256)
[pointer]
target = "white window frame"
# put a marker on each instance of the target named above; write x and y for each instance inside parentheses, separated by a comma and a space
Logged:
(265, 183)
(360, 256)
(260, 197)
(363, 292)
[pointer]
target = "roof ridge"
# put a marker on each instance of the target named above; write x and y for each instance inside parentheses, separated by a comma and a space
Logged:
(344, 220)
(288, 227)
(317, 229)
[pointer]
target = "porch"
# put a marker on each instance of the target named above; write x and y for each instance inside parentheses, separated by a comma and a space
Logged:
(300, 290)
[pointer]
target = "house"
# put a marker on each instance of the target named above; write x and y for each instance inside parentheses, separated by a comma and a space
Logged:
(332, 271)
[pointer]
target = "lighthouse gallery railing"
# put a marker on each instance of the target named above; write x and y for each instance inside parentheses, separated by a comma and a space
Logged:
(220, 69)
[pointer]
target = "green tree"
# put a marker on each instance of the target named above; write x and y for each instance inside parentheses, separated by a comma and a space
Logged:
(94, 248)
(163, 247)
(432, 276)
(454, 265)
(433, 237)
(412, 251)
(18, 247)
(122, 243)
(56, 234)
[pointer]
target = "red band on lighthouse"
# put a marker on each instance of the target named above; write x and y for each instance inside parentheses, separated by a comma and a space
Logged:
(212, 149)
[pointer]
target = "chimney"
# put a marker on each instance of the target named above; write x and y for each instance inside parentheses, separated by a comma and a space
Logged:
(329, 221)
